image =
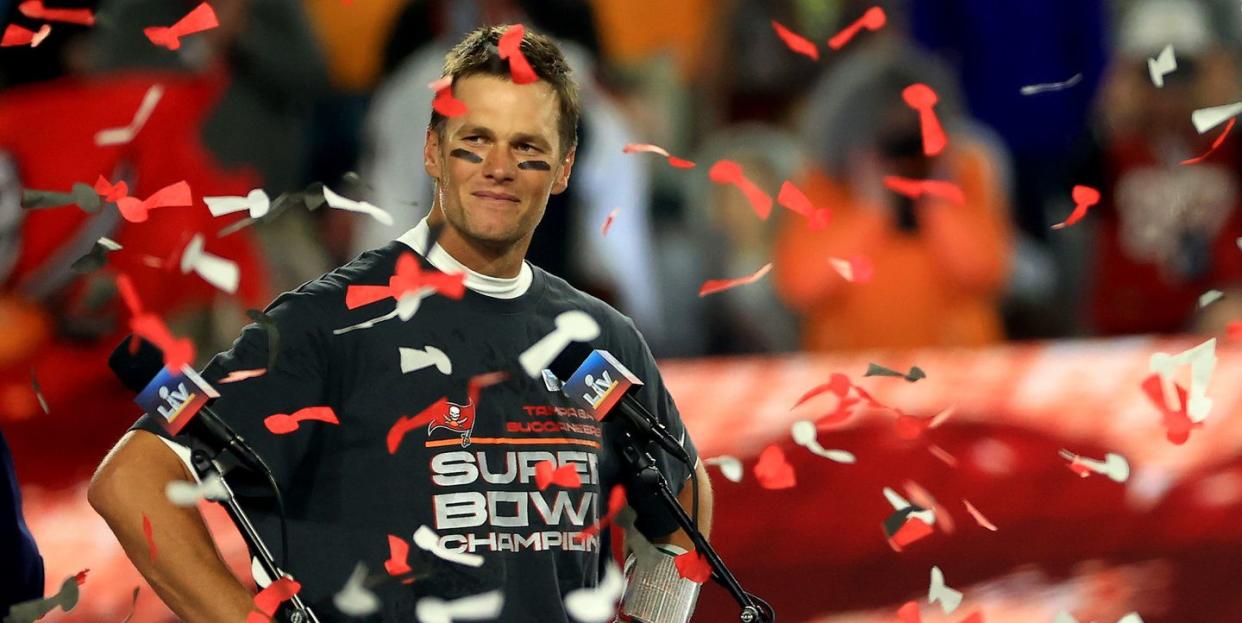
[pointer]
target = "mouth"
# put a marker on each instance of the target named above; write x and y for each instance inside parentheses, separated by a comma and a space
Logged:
(495, 196)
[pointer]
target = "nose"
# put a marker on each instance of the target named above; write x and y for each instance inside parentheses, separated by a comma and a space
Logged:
(499, 165)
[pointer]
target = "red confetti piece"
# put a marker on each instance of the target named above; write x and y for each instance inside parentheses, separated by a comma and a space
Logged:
(1084, 197)
(838, 384)
(974, 617)
(178, 352)
(269, 599)
(612, 216)
(712, 286)
(203, 17)
(479, 382)
(135, 210)
(15, 35)
(1215, 144)
(857, 269)
(34, 9)
(793, 198)
(283, 424)
(80, 578)
(917, 188)
(873, 20)
(147, 533)
(979, 518)
(693, 566)
(1233, 330)
(656, 149)
(909, 533)
(564, 476)
(911, 427)
(616, 502)
(241, 375)
(1177, 422)
(730, 172)
(398, 557)
(909, 613)
(922, 98)
(943, 455)
(510, 47)
(408, 278)
(796, 42)
(773, 471)
(444, 102)
(404, 425)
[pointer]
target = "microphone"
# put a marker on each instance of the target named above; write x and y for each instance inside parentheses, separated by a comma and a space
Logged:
(163, 394)
(601, 385)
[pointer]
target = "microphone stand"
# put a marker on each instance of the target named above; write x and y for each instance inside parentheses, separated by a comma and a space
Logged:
(638, 455)
(296, 611)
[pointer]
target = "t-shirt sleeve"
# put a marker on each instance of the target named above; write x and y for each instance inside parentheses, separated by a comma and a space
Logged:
(653, 519)
(295, 380)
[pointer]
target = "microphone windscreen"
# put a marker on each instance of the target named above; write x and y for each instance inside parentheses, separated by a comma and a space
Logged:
(136, 369)
(570, 359)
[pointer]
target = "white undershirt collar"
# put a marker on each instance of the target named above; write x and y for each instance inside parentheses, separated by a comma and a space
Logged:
(495, 287)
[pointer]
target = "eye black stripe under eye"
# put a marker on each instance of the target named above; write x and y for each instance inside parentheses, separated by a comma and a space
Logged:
(534, 165)
(466, 155)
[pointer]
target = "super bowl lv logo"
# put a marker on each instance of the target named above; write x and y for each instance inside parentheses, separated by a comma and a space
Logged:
(456, 418)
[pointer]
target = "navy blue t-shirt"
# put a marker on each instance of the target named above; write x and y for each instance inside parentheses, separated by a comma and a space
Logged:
(471, 479)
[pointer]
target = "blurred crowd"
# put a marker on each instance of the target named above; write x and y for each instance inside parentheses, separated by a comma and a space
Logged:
(287, 93)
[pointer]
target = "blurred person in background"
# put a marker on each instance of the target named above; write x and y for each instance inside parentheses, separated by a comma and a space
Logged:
(1037, 129)
(271, 69)
(1164, 232)
(21, 566)
(720, 237)
(62, 320)
(618, 267)
(939, 268)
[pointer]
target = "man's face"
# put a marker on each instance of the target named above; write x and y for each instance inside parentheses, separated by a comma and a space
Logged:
(497, 164)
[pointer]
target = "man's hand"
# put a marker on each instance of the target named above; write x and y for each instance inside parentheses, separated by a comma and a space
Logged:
(188, 574)
(680, 538)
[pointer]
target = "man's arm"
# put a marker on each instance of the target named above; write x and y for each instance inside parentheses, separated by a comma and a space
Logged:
(679, 538)
(188, 572)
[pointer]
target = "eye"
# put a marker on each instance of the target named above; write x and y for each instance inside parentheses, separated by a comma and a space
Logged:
(473, 139)
(527, 148)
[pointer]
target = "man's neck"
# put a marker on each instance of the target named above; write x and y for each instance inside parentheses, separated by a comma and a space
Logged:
(483, 259)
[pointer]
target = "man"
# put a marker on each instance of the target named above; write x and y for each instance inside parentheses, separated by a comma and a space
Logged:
(349, 488)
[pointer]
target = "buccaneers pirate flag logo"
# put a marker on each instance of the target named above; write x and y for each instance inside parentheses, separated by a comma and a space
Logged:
(457, 418)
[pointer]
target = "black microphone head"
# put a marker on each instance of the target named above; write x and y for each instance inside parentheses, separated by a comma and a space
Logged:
(570, 360)
(136, 369)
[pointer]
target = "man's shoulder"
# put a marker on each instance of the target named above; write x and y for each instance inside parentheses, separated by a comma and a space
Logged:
(325, 294)
(562, 295)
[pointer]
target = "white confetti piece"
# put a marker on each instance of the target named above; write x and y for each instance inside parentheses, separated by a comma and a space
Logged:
(730, 467)
(485, 606)
(1207, 118)
(571, 326)
(219, 272)
(414, 359)
(184, 493)
(354, 599)
(1202, 362)
(805, 434)
(109, 243)
(1162, 65)
(599, 604)
(256, 203)
(1033, 89)
(122, 135)
(341, 203)
(1114, 466)
(927, 515)
(1209, 297)
(949, 599)
(427, 539)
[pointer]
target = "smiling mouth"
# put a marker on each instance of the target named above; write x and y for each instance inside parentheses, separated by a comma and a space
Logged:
(496, 197)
